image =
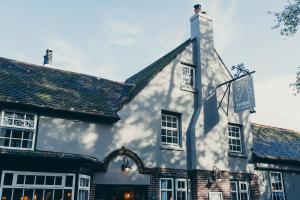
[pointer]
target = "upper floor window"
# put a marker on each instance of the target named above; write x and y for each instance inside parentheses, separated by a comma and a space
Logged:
(235, 138)
(188, 77)
(17, 130)
(277, 186)
(239, 190)
(170, 131)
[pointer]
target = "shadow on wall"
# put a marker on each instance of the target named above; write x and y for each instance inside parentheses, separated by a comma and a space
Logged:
(139, 127)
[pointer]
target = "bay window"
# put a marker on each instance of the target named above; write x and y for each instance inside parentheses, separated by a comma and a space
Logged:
(36, 186)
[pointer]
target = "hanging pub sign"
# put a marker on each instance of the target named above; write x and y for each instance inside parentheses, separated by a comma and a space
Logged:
(243, 94)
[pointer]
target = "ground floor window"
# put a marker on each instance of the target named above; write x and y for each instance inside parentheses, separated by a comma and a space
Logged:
(83, 187)
(239, 190)
(277, 186)
(36, 186)
(170, 186)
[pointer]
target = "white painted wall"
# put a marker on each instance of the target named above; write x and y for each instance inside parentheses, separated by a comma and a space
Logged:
(139, 128)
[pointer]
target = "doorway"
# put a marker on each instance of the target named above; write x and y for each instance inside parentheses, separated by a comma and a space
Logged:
(121, 192)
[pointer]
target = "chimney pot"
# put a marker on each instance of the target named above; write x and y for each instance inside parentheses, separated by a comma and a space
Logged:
(48, 57)
(197, 8)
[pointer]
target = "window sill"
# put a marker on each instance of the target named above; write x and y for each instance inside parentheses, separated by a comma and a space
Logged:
(188, 89)
(171, 147)
(241, 155)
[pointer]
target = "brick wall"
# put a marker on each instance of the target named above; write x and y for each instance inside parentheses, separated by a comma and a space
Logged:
(92, 191)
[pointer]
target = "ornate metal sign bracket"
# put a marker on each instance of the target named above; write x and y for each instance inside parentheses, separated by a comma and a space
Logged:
(241, 73)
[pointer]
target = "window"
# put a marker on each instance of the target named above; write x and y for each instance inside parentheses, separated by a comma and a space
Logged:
(166, 189)
(235, 138)
(83, 187)
(239, 190)
(17, 130)
(234, 190)
(188, 77)
(36, 186)
(244, 190)
(181, 189)
(215, 196)
(277, 186)
(170, 128)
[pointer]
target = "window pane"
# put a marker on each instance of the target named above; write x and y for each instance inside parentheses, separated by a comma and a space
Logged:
(69, 181)
(67, 194)
(48, 194)
(58, 194)
(58, 180)
(40, 180)
(38, 194)
(6, 194)
(4, 142)
(18, 194)
(28, 194)
(20, 179)
(15, 143)
(83, 195)
(29, 180)
(8, 178)
(49, 180)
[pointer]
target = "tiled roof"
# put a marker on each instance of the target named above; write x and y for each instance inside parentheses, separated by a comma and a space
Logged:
(50, 155)
(143, 77)
(45, 87)
(276, 143)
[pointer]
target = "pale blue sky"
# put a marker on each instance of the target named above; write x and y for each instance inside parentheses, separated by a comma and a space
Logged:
(114, 39)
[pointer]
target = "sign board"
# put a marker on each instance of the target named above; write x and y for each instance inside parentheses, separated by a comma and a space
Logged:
(243, 94)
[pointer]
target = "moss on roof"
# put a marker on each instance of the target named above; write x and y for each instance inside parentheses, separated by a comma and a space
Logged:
(276, 143)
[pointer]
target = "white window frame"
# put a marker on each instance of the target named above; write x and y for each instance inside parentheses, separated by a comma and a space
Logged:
(12, 127)
(185, 190)
(34, 186)
(281, 182)
(215, 193)
(166, 190)
(182, 78)
(240, 138)
(84, 188)
(166, 128)
(244, 191)
(236, 191)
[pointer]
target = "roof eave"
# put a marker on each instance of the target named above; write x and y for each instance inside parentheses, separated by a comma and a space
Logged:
(67, 114)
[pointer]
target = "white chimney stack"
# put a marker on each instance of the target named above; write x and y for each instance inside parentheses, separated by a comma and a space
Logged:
(48, 57)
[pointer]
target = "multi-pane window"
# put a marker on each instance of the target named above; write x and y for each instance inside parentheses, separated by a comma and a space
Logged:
(188, 77)
(166, 189)
(170, 128)
(83, 187)
(36, 186)
(235, 138)
(244, 190)
(277, 186)
(17, 130)
(239, 190)
(234, 190)
(181, 189)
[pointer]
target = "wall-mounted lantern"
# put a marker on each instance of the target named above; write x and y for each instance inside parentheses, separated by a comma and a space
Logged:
(125, 167)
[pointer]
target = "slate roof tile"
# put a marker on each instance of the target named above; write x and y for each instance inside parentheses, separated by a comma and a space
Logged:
(276, 143)
(58, 89)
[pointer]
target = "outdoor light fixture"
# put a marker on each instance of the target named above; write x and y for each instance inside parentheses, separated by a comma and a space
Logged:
(214, 175)
(125, 165)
